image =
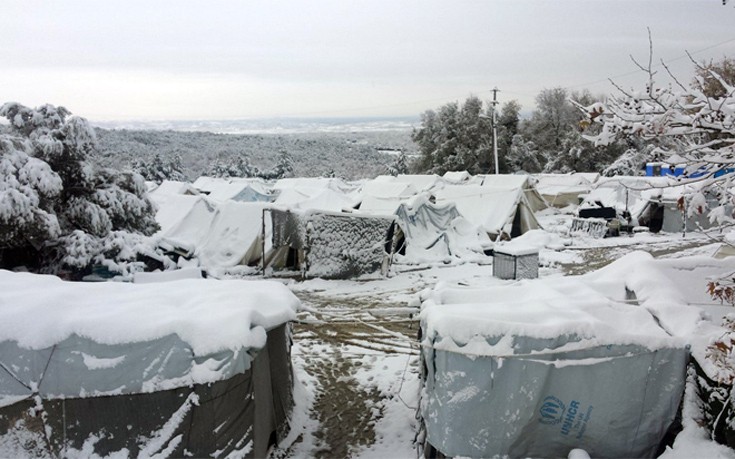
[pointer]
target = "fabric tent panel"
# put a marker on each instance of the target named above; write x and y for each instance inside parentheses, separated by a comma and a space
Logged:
(235, 415)
(82, 367)
(20, 369)
(620, 406)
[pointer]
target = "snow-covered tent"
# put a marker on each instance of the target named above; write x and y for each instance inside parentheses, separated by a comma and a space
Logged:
(540, 367)
(310, 198)
(169, 187)
(522, 182)
(173, 208)
(234, 236)
(187, 233)
(503, 212)
(431, 232)
(622, 193)
(331, 245)
(235, 189)
(199, 368)
(672, 210)
(383, 197)
(562, 190)
(419, 182)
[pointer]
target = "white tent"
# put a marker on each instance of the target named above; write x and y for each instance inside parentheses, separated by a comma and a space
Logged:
(503, 212)
(309, 198)
(235, 189)
(190, 231)
(522, 182)
(233, 237)
(562, 190)
(169, 187)
(383, 197)
(624, 194)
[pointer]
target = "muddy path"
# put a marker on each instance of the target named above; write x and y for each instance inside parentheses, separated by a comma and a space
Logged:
(337, 338)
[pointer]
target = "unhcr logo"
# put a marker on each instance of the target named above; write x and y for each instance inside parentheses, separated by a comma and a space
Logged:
(552, 411)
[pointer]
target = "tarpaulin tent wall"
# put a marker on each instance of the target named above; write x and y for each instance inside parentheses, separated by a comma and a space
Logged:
(499, 211)
(194, 367)
(538, 368)
(330, 245)
(434, 232)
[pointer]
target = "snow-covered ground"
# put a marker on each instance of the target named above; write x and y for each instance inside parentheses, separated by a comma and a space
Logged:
(356, 354)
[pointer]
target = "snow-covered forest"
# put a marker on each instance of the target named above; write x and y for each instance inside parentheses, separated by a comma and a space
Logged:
(347, 155)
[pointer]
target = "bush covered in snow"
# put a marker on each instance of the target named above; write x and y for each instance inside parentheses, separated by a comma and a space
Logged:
(57, 210)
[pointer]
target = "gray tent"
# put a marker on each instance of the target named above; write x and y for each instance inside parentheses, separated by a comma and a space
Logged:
(540, 368)
(89, 390)
(331, 245)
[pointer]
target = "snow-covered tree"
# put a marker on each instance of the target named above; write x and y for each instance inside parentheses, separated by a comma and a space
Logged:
(632, 163)
(160, 168)
(58, 209)
(523, 156)
(282, 169)
(399, 166)
(684, 123)
(235, 166)
(456, 138)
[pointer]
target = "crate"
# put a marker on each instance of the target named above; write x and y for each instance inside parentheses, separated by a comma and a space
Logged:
(515, 263)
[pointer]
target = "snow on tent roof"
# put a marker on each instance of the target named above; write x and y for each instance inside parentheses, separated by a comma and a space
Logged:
(311, 198)
(419, 182)
(567, 180)
(591, 177)
(494, 209)
(233, 236)
(383, 197)
(516, 181)
(206, 316)
(561, 190)
(456, 176)
(312, 182)
(589, 308)
(168, 187)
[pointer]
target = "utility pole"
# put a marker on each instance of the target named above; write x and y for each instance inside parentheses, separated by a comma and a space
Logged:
(495, 130)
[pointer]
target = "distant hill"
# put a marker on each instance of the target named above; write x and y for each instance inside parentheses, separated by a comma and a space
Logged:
(351, 150)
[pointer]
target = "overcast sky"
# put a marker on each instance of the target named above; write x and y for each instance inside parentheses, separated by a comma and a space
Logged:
(123, 60)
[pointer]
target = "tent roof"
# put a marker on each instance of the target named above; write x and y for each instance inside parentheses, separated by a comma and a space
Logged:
(174, 187)
(587, 310)
(456, 176)
(116, 313)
